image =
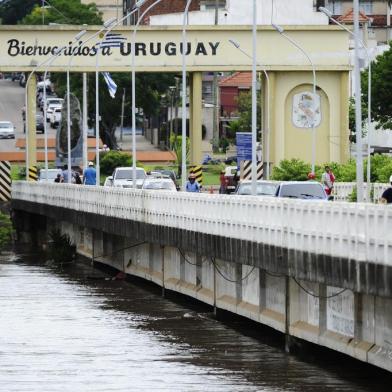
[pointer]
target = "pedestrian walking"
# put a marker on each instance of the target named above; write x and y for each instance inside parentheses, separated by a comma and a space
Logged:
(386, 197)
(64, 174)
(223, 183)
(77, 179)
(328, 179)
(90, 175)
(192, 185)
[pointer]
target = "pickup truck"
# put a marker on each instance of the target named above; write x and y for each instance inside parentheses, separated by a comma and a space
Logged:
(123, 177)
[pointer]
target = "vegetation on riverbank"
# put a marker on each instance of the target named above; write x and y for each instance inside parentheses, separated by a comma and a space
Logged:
(5, 231)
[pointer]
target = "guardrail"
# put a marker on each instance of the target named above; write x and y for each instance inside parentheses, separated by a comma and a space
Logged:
(343, 190)
(359, 231)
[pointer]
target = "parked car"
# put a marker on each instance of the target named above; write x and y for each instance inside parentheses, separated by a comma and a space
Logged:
(39, 123)
(50, 109)
(123, 177)
(231, 177)
(48, 176)
(55, 117)
(264, 188)
(7, 130)
(308, 190)
(168, 173)
(40, 97)
(51, 101)
(159, 184)
(108, 181)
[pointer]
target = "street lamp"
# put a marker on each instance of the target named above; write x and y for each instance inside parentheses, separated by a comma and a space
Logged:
(184, 51)
(109, 26)
(267, 129)
(45, 62)
(358, 108)
(133, 46)
(369, 119)
(280, 30)
(57, 54)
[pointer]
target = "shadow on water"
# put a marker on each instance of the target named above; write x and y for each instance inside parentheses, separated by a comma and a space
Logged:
(228, 345)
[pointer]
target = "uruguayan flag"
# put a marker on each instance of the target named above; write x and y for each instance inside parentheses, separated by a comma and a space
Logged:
(112, 40)
(112, 86)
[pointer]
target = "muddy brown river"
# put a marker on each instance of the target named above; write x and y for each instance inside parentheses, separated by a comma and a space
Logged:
(76, 330)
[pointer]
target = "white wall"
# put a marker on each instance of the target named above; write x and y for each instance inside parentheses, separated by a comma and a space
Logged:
(239, 12)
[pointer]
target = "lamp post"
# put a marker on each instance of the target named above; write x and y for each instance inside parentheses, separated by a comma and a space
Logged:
(47, 62)
(254, 100)
(133, 46)
(280, 30)
(369, 118)
(58, 53)
(267, 129)
(184, 51)
(358, 108)
(108, 26)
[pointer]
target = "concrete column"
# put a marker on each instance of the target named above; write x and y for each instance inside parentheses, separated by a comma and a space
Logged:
(263, 295)
(196, 119)
(271, 114)
(238, 285)
(31, 111)
(323, 309)
(344, 123)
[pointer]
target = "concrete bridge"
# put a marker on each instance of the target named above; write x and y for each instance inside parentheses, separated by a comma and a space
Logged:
(316, 271)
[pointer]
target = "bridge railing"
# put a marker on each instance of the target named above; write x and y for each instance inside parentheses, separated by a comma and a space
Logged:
(359, 231)
(343, 191)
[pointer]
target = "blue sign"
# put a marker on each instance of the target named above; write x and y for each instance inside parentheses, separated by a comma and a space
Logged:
(244, 147)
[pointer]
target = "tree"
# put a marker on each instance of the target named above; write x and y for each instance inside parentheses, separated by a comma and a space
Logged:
(149, 88)
(381, 89)
(244, 101)
(12, 11)
(64, 12)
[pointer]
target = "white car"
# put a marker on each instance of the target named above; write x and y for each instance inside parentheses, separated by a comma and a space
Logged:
(53, 101)
(306, 190)
(7, 130)
(48, 176)
(50, 110)
(159, 184)
(263, 188)
(55, 117)
(123, 177)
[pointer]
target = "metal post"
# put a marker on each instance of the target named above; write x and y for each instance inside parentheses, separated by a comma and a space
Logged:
(85, 147)
(122, 116)
(97, 121)
(45, 128)
(184, 51)
(133, 92)
(268, 122)
(369, 120)
(254, 99)
(69, 128)
(215, 124)
(280, 30)
(358, 109)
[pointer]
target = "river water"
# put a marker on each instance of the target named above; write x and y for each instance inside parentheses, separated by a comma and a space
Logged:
(72, 330)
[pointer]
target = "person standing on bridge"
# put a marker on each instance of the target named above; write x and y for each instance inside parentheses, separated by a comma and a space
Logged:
(386, 197)
(90, 175)
(192, 185)
(328, 180)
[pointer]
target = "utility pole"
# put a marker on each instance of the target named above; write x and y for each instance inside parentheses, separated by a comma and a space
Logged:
(122, 116)
(215, 124)
(358, 109)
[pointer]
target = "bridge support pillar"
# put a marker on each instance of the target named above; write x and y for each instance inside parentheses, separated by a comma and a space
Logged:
(195, 119)
(30, 112)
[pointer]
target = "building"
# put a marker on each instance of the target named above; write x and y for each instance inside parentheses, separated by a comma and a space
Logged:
(379, 27)
(230, 88)
(233, 12)
(109, 8)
